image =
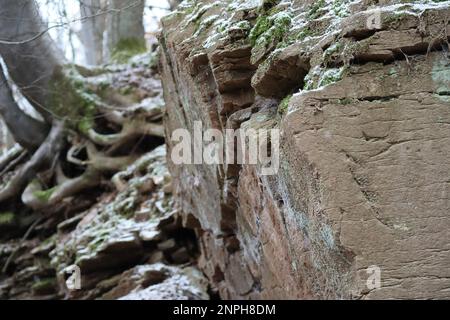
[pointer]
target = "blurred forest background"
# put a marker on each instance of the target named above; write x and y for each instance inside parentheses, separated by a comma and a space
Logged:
(87, 31)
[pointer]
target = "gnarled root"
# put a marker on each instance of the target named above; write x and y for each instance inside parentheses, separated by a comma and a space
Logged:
(38, 199)
(42, 159)
(10, 156)
(101, 162)
(130, 130)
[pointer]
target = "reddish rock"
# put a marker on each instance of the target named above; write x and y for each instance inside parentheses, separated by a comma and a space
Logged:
(364, 170)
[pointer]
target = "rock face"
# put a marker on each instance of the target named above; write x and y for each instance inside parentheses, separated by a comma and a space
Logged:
(361, 97)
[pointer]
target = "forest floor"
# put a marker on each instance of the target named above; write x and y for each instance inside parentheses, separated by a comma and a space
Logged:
(124, 236)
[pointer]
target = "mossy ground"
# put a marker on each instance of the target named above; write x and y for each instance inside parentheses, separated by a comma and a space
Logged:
(315, 10)
(71, 100)
(127, 48)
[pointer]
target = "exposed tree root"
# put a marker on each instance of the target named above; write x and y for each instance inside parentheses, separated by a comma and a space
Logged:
(9, 156)
(32, 196)
(101, 162)
(71, 155)
(42, 159)
(91, 100)
(15, 162)
(130, 130)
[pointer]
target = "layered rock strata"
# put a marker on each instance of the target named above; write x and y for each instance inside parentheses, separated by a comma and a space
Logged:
(361, 96)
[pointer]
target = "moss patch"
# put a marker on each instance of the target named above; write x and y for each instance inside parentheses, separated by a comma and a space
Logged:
(44, 195)
(345, 101)
(340, 8)
(69, 98)
(330, 76)
(321, 77)
(315, 10)
(297, 37)
(6, 218)
(268, 31)
(332, 53)
(44, 286)
(284, 104)
(127, 48)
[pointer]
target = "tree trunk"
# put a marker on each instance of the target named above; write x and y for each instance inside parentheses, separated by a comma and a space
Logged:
(173, 4)
(70, 104)
(125, 27)
(16, 120)
(31, 64)
(93, 28)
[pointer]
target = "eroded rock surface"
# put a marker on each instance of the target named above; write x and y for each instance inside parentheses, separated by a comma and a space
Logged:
(363, 111)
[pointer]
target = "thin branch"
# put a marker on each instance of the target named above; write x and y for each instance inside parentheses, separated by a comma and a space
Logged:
(25, 236)
(40, 34)
(14, 162)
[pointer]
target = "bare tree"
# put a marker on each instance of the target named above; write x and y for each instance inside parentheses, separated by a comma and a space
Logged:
(173, 4)
(69, 104)
(93, 29)
(125, 28)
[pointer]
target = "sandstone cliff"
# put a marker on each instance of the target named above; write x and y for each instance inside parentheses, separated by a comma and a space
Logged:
(361, 95)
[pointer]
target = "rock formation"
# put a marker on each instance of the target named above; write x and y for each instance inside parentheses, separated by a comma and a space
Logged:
(361, 96)
(358, 207)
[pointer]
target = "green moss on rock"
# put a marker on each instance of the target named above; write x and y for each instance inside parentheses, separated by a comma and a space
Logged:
(321, 77)
(330, 76)
(268, 31)
(340, 8)
(284, 104)
(315, 10)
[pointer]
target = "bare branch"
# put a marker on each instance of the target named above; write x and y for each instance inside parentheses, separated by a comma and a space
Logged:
(81, 19)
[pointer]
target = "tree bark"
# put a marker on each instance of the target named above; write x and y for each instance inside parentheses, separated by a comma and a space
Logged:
(27, 131)
(173, 4)
(125, 23)
(41, 160)
(92, 30)
(31, 64)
